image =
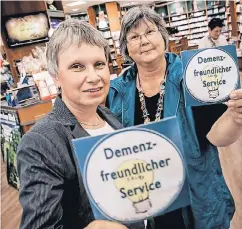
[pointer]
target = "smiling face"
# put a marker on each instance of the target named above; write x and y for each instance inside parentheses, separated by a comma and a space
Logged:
(150, 45)
(83, 75)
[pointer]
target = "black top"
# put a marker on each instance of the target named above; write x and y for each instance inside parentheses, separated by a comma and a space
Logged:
(204, 118)
(151, 105)
(173, 219)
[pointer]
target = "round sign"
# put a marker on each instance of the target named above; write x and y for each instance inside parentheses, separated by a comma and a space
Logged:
(134, 174)
(211, 75)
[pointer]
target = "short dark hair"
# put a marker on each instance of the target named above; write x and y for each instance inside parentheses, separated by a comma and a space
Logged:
(215, 22)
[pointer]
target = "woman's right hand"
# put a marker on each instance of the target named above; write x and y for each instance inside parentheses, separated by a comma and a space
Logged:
(104, 224)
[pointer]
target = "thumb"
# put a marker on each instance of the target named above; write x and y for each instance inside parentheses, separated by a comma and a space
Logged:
(104, 224)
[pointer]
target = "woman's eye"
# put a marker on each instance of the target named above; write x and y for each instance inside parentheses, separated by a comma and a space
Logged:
(151, 31)
(77, 67)
(100, 65)
(135, 37)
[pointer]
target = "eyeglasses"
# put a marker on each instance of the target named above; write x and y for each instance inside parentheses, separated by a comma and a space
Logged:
(136, 38)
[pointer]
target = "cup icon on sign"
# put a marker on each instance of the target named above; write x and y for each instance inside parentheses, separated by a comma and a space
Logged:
(212, 79)
(134, 180)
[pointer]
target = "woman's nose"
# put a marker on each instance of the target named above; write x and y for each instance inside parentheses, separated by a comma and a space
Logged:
(92, 76)
(144, 40)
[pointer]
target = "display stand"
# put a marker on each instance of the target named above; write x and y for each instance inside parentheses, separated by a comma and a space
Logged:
(16, 121)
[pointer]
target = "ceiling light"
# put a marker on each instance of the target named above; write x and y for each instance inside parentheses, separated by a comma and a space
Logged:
(75, 9)
(76, 3)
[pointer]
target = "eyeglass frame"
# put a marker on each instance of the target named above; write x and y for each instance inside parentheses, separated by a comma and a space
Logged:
(140, 36)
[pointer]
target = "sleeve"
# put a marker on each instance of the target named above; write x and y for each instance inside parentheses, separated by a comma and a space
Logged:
(41, 183)
(204, 118)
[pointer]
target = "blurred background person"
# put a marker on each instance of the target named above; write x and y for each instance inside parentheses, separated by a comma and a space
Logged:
(214, 37)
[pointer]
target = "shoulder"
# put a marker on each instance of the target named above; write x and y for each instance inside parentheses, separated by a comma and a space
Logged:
(222, 39)
(47, 132)
(205, 38)
(204, 42)
(175, 68)
(126, 76)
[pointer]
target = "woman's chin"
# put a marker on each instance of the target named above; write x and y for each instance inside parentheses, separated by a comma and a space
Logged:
(94, 102)
(148, 59)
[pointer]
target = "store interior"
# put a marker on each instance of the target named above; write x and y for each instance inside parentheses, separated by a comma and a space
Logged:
(28, 91)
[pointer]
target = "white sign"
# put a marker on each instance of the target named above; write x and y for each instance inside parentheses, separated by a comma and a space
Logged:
(134, 175)
(211, 75)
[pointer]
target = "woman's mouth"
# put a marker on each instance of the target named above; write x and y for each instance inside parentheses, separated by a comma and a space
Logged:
(94, 89)
(146, 51)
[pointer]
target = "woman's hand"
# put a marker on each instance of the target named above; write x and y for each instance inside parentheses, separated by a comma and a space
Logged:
(235, 106)
(103, 224)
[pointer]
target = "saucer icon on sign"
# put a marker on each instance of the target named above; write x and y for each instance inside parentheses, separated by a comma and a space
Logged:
(135, 185)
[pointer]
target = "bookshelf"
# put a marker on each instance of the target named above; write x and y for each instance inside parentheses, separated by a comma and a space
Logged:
(109, 13)
(191, 17)
(10, 8)
(238, 4)
(83, 16)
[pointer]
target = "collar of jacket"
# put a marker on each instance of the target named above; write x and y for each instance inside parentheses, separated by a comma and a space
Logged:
(174, 71)
(64, 115)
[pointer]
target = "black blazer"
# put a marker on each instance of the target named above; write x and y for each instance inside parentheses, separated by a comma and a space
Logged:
(52, 193)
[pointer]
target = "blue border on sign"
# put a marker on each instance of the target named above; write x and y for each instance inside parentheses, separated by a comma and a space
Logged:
(185, 79)
(111, 135)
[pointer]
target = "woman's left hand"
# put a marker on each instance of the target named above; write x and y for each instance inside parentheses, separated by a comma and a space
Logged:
(235, 106)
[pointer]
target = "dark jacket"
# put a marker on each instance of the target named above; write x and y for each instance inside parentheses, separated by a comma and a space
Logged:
(211, 202)
(52, 193)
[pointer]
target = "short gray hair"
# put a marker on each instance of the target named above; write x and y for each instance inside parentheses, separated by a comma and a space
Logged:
(132, 19)
(72, 32)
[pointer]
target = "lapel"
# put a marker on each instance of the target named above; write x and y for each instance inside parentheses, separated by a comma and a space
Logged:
(64, 115)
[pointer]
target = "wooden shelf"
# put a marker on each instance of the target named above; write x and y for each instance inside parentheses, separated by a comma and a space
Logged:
(198, 32)
(196, 22)
(178, 25)
(56, 14)
(177, 15)
(216, 6)
(104, 29)
(197, 16)
(216, 13)
(179, 19)
(196, 11)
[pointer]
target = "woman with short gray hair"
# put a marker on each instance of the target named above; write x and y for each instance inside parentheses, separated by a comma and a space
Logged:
(150, 90)
(52, 193)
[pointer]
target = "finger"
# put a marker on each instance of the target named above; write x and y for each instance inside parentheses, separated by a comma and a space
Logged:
(237, 110)
(237, 94)
(103, 224)
(238, 118)
(234, 103)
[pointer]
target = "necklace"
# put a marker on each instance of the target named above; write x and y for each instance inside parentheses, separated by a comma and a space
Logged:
(160, 103)
(92, 125)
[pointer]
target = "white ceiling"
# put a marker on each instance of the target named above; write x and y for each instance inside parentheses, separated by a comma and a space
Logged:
(83, 7)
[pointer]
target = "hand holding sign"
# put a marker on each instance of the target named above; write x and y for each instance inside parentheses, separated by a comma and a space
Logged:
(235, 105)
(210, 75)
(103, 224)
